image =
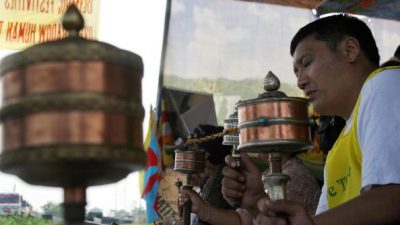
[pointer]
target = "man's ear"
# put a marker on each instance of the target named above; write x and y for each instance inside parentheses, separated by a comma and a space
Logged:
(351, 48)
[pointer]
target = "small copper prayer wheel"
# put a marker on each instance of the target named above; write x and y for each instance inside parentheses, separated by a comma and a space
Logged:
(190, 161)
(274, 123)
(72, 114)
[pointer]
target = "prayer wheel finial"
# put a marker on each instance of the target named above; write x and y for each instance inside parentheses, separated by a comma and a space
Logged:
(271, 85)
(72, 21)
(271, 82)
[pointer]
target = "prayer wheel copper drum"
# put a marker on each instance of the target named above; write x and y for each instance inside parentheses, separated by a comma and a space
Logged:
(273, 121)
(72, 111)
(189, 161)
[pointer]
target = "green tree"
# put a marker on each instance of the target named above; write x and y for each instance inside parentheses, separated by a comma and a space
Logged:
(51, 208)
(95, 209)
(139, 215)
(120, 214)
(94, 212)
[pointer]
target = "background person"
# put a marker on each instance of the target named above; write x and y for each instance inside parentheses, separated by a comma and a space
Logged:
(395, 60)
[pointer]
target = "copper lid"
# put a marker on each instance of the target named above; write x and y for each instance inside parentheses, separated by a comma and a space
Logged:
(72, 47)
(271, 85)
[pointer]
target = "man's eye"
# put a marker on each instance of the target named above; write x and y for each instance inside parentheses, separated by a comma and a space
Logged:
(306, 63)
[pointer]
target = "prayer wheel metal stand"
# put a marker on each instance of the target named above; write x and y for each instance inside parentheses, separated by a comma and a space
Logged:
(72, 115)
(231, 137)
(189, 161)
(274, 123)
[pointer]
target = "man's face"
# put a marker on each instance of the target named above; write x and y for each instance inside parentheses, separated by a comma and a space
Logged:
(319, 71)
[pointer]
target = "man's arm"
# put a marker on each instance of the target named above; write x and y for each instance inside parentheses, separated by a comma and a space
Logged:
(207, 212)
(380, 205)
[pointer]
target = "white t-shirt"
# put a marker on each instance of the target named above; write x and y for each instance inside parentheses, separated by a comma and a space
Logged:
(378, 132)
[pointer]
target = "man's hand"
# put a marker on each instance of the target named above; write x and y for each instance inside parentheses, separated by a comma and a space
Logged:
(245, 217)
(244, 184)
(190, 195)
(282, 212)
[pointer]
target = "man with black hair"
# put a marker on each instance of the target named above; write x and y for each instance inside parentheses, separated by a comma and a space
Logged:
(336, 62)
(395, 60)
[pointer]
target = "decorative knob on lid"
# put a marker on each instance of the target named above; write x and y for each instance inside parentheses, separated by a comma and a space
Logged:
(271, 82)
(271, 85)
(72, 21)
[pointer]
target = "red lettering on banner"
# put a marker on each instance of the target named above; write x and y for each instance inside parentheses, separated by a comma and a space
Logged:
(40, 6)
(7, 4)
(87, 32)
(1, 26)
(50, 32)
(20, 32)
(84, 6)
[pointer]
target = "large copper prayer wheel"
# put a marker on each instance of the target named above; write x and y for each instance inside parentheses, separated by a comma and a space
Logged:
(273, 121)
(72, 112)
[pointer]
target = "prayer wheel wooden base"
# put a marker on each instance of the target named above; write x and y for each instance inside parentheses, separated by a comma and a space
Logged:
(71, 165)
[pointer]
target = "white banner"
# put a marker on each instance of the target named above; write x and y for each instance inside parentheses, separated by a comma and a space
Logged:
(27, 22)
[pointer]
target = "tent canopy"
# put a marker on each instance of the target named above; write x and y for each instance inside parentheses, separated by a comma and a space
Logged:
(384, 9)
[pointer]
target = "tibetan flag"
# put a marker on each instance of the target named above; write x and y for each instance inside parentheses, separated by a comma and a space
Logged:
(164, 131)
(151, 178)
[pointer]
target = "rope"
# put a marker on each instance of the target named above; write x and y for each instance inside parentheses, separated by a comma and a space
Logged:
(191, 141)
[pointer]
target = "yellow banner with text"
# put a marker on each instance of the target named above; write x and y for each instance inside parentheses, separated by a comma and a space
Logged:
(27, 22)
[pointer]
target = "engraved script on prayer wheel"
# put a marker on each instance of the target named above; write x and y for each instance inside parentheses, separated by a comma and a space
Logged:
(72, 113)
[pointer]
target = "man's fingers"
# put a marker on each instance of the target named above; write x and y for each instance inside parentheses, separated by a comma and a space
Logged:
(182, 199)
(269, 220)
(230, 161)
(232, 174)
(247, 163)
(188, 192)
(233, 184)
(231, 193)
(245, 216)
(286, 207)
(261, 205)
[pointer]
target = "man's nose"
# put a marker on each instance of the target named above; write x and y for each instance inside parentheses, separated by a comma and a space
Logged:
(302, 80)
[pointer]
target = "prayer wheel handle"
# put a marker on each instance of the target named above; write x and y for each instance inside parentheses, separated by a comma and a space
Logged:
(231, 137)
(187, 207)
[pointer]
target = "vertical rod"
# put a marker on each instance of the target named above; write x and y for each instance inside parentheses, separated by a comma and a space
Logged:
(187, 207)
(74, 205)
(275, 162)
